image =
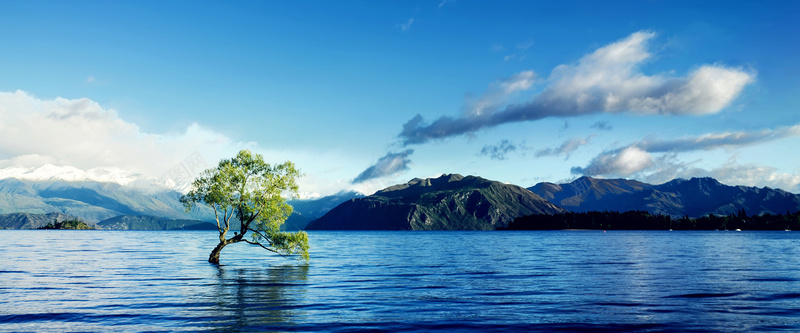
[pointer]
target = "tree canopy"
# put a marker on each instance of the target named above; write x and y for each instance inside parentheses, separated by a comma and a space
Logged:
(250, 194)
(68, 224)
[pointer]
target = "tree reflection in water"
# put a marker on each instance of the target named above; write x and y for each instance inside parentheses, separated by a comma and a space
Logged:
(258, 298)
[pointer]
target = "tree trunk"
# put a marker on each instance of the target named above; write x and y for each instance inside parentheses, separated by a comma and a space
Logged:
(214, 257)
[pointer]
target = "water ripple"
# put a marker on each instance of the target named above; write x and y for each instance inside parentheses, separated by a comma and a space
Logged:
(401, 281)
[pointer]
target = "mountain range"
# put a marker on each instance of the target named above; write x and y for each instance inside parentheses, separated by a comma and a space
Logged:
(49, 172)
(449, 202)
(694, 197)
(92, 201)
(95, 202)
(32, 220)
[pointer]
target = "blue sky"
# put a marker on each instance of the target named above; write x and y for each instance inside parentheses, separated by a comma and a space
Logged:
(363, 95)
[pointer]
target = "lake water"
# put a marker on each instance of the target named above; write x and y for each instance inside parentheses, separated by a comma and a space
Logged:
(569, 281)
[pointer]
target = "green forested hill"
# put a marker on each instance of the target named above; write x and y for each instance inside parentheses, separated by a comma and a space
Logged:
(450, 202)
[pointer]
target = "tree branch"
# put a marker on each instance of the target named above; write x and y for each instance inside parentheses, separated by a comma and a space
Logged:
(216, 217)
(228, 218)
(265, 237)
(266, 248)
(249, 221)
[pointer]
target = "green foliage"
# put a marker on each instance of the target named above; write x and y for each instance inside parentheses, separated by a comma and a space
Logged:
(248, 193)
(68, 224)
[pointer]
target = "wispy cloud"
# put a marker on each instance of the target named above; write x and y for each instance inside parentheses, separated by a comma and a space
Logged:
(525, 45)
(566, 148)
(497, 93)
(602, 125)
(718, 140)
(406, 26)
(480, 108)
(668, 168)
(755, 175)
(93, 80)
(607, 80)
(637, 157)
(521, 47)
(391, 164)
(500, 150)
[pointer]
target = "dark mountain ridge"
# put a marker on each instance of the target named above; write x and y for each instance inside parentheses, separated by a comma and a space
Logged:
(449, 202)
(590, 193)
(694, 197)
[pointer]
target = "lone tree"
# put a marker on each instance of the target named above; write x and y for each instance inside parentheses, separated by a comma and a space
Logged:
(248, 191)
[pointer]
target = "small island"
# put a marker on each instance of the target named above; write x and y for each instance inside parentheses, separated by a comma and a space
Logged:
(68, 224)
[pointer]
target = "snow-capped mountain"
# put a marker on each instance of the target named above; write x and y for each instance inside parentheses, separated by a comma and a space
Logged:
(49, 172)
(92, 196)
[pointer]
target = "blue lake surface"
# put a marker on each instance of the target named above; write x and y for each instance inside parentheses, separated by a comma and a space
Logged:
(568, 281)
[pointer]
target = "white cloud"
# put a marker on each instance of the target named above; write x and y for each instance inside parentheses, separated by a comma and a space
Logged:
(609, 80)
(388, 165)
(707, 90)
(519, 82)
(606, 80)
(621, 163)
(756, 175)
(637, 159)
(731, 173)
(498, 92)
(82, 134)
